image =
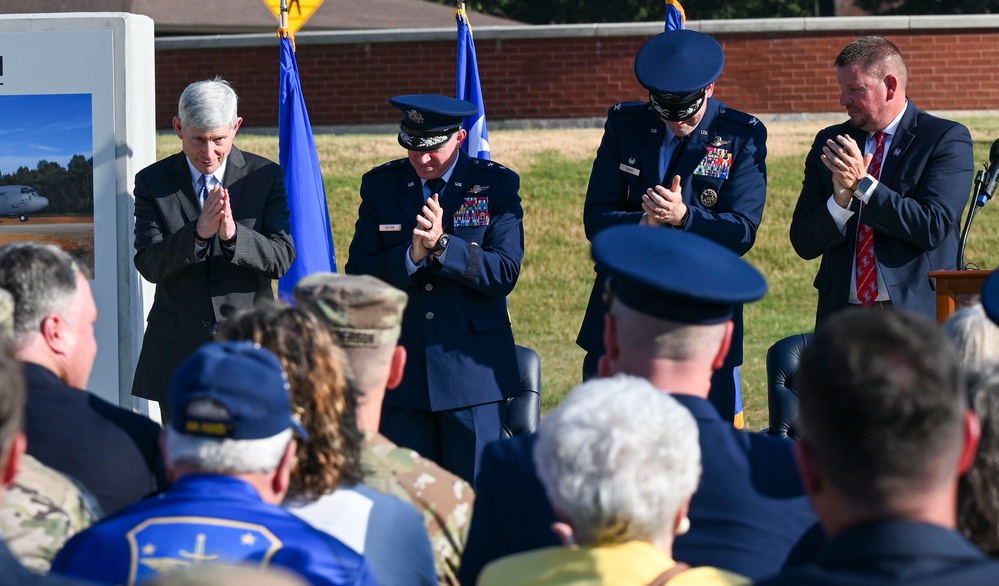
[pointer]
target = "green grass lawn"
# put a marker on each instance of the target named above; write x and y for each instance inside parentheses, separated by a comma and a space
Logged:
(548, 303)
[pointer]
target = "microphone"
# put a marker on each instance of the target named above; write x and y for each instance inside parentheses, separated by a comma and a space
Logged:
(991, 179)
(985, 187)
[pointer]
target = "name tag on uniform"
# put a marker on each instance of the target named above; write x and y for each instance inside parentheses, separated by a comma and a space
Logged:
(628, 169)
(390, 227)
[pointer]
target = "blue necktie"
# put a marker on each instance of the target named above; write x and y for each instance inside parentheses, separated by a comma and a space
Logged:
(203, 194)
(436, 186)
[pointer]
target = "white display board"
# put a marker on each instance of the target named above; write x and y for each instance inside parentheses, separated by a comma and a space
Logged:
(76, 88)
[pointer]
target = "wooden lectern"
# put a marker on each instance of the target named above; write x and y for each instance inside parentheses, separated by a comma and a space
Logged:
(957, 289)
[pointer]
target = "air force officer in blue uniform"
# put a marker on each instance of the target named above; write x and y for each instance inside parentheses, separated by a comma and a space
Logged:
(670, 323)
(448, 230)
(682, 161)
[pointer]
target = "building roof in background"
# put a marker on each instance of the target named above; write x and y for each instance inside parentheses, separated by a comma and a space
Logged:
(197, 17)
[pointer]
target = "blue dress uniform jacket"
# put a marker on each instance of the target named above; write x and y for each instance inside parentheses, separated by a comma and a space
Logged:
(456, 328)
(915, 212)
(748, 513)
(725, 205)
(895, 552)
(206, 518)
(194, 292)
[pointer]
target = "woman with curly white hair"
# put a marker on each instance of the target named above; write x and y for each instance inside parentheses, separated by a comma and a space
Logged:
(619, 461)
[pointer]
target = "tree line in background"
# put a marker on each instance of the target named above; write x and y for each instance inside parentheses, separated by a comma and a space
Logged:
(70, 190)
(587, 11)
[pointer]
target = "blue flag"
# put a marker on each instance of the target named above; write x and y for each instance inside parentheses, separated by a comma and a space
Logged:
(674, 15)
(310, 216)
(470, 90)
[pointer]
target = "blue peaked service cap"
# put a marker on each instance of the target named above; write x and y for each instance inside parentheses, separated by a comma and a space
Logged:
(234, 390)
(429, 120)
(676, 67)
(990, 297)
(675, 275)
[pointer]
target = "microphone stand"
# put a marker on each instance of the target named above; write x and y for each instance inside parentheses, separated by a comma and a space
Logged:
(979, 201)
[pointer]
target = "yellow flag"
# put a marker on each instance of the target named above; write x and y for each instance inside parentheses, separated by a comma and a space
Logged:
(299, 11)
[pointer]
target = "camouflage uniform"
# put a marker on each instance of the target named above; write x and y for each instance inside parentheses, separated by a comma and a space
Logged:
(444, 499)
(41, 511)
(364, 312)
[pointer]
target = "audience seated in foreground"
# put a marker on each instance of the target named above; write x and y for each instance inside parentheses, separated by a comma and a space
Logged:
(619, 461)
(112, 451)
(884, 433)
(229, 447)
(325, 489)
(672, 326)
(365, 314)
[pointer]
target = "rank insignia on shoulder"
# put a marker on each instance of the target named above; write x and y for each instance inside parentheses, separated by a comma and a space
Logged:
(753, 121)
(708, 198)
(716, 163)
(617, 106)
(478, 188)
(718, 141)
(490, 164)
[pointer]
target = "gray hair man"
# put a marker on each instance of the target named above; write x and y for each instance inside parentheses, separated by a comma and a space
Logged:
(114, 451)
(211, 231)
(365, 315)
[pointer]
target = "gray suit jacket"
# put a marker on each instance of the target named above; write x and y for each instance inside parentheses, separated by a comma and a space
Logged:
(194, 292)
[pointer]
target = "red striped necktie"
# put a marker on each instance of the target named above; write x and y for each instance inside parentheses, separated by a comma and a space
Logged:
(867, 271)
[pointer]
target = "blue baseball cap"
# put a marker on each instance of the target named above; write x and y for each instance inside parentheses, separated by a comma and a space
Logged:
(676, 67)
(675, 275)
(429, 120)
(231, 390)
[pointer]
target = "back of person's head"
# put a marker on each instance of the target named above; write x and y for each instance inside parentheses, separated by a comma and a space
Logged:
(230, 411)
(618, 459)
(975, 337)
(208, 105)
(882, 407)
(364, 315)
(645, 337)
(42, 279)
(978, 500)
(877, 56)
(321, 393)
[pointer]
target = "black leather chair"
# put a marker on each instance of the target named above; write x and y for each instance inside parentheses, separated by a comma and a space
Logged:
(782, 399)
(523, 412)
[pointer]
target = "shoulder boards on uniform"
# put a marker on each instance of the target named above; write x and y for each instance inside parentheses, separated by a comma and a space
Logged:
(492, 166)
(386, 166)
(631, 107)
(738, 116)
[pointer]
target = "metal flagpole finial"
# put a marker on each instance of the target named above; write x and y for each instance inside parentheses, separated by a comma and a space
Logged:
(283, 31)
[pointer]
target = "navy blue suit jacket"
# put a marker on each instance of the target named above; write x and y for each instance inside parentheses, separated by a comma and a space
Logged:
(627, 164)
(747, 514)
(895, 552)
(456, 328)
(915, 212)
(112, 451)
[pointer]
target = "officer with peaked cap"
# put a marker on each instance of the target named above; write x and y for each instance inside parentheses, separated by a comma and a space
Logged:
(447, 229)
(681, 161)
(671, 298)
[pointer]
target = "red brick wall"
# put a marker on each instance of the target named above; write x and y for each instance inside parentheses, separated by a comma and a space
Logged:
(543, 78)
